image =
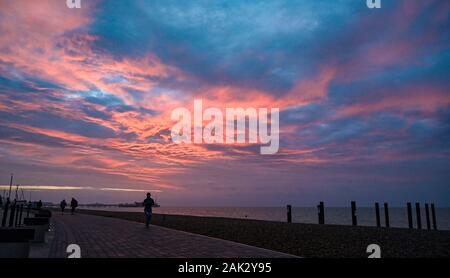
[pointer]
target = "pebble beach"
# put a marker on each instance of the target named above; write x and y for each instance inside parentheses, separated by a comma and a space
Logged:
(305, 240)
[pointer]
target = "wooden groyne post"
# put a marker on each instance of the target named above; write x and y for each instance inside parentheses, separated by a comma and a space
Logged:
(410, 218)
(377, 214)
(433, 216)
(289, 213)
(386, 214)
(419, 220)
(321, 213)
(427, 215)
(354, 220)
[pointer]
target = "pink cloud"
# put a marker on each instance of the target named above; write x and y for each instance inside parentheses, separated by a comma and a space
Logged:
(426, 99)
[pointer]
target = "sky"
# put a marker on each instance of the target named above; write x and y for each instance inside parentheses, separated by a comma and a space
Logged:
(86, 97)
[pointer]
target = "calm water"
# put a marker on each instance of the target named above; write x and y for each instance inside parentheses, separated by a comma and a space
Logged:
(341, 216)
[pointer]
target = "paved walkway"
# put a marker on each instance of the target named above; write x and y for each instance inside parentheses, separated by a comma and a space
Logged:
(109, 237)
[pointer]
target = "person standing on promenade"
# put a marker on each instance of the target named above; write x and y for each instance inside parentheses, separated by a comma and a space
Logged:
(73, 205)
(148, 204)
(39, 205)
(63, 205)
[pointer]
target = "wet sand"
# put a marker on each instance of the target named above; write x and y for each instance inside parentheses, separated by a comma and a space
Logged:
(306, 240)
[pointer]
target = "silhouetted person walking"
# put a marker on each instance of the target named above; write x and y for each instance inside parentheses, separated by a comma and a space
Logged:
(73, 205)
(39, 205)
(63, 205)
(148, 204)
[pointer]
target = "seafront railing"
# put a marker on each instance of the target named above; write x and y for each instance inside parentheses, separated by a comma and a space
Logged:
(18, 232)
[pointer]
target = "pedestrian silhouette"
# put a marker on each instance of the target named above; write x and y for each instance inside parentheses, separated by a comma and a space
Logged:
(39, 205)
(63, 205)
(73, 205)
(148, 204)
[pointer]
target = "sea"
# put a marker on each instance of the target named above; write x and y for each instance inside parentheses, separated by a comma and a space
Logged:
(333, 215)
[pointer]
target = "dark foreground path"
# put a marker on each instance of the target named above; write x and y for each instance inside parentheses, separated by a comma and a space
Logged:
(109, 237)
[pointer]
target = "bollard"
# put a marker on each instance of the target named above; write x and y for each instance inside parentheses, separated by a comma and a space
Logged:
(354, 220)
(433, 216)
(5, 213)
(419, 220)
(321, 213)
(289, 213)
(427, 215)
(377, 214)
(410, 218)
(386, 214)
(11, 215)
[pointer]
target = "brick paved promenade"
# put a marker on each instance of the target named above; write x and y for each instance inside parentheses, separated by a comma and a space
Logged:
(109, 237)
